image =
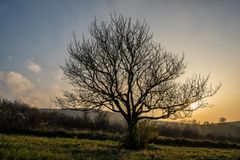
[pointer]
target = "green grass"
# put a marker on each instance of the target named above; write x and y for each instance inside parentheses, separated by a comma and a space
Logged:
(30, 147)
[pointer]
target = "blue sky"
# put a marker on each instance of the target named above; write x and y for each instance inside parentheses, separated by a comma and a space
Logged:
(34, 36)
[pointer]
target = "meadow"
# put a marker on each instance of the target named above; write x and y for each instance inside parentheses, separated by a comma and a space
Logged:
(28, 133)
(31, 147)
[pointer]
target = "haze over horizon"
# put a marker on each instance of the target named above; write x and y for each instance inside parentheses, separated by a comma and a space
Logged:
(34, 36)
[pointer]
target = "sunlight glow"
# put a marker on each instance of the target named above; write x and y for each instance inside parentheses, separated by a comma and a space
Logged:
(194, 105)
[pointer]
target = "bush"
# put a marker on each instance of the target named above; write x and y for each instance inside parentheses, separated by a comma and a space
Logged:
(16, 115)
(146, 131)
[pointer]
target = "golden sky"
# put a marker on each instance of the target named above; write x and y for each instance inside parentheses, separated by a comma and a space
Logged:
(35, 35)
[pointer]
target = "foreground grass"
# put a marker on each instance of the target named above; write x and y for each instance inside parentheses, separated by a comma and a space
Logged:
(29, 147)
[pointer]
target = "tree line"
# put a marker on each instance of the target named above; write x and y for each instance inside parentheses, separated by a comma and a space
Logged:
(16, 116)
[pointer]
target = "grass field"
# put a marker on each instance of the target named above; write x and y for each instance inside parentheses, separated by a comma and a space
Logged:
(29, 147)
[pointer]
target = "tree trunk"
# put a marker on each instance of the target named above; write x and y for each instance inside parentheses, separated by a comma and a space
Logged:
(131, 139)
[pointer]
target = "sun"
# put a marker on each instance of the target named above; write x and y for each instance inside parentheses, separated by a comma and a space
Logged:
(194, 105)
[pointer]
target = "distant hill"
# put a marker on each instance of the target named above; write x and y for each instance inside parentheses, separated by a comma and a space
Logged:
(113, 117)
(228, 129)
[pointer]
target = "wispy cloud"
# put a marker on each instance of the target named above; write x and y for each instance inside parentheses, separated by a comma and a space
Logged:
(33, 67)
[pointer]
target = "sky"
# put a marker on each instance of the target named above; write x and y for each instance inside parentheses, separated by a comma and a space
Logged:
(34, 35)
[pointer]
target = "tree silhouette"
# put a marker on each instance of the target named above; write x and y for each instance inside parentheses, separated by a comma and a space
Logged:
(222, 120)
(122, 69)
(206, 123)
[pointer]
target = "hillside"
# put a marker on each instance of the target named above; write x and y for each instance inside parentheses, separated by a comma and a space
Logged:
(113, 117)
(228, 129)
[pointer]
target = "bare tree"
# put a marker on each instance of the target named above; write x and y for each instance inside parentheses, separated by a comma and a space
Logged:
(222, 120)
(122, 69)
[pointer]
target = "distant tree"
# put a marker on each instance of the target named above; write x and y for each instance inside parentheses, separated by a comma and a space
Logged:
(222, 120)
(183, 121)
(101, 120)
(206, 123)
(194, 121)
(121, 69)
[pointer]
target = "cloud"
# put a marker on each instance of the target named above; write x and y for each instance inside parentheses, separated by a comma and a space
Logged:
(14, 85)
(14, 82)
(10, 57)
(33, 67)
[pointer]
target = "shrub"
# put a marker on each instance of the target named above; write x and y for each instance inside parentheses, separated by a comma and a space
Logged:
(16, 115)
(146, 131)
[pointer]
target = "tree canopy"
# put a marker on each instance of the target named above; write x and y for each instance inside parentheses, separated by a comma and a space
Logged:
(122, 69)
